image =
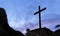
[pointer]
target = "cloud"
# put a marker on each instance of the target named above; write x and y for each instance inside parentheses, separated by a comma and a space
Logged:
(21, 13)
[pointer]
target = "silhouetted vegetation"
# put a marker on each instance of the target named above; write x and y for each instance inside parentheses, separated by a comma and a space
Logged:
(57, 26)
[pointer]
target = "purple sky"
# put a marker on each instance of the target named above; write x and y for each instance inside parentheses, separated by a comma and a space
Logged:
(21, 13)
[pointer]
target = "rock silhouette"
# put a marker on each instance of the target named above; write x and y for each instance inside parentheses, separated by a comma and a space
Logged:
(3, 32)
(57, 32)
(5, 29)
(40, 32)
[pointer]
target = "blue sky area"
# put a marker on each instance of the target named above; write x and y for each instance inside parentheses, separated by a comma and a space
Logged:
(21, 13)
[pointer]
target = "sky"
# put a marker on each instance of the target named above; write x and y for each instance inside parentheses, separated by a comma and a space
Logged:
(21, 13)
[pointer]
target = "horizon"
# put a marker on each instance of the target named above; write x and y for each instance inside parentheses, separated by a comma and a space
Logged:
(21, 13)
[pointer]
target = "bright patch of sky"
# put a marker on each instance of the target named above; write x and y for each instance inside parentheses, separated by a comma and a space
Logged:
(21, 13)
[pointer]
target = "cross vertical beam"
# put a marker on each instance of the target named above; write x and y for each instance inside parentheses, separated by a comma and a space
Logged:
(39, 17)
(39, 11)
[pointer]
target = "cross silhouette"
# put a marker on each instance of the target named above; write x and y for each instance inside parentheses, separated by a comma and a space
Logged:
(39, 11)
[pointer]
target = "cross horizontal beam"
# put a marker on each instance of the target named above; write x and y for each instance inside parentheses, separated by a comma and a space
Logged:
(40, 11)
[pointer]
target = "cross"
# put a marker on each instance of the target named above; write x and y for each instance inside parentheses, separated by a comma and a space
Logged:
(39, 11)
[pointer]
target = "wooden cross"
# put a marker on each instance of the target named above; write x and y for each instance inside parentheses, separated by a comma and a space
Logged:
(39, 11)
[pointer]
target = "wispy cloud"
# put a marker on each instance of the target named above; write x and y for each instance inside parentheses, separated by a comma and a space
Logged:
(21, 13)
